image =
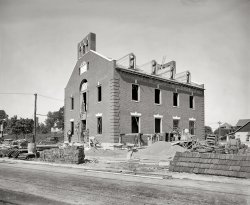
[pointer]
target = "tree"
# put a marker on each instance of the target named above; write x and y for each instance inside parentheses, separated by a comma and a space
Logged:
(3, 115)
(55, 119)
(60, 118)
(20, 126)
(208, 130)
(223, 131)
(3, 118)
(42, 128)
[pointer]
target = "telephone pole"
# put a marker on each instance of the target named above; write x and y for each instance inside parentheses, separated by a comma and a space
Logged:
(219, 127)
(35, 118)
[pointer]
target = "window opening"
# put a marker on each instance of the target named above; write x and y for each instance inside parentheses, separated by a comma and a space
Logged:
(191, 101)
(175, 124)
(157, 96)
(99, 95)
(175, 99)
(84, 102)
(72, 127)
(157, 125)
(135, 124)
(135, 92)
(84, 125)
(72, 103)
(191, 127)
(99, 125)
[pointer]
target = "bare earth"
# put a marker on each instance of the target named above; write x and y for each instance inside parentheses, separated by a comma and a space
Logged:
(44, 184)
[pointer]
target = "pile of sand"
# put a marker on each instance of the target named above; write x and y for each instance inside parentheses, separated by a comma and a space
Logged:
(161, 150)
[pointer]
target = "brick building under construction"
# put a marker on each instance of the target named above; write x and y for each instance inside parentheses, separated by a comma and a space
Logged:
(113, 97)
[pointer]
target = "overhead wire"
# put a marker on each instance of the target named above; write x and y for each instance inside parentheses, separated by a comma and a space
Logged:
(52, 98)
(16, 93)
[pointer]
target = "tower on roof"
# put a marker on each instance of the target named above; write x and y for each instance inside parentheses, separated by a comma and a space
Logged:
(87, 44)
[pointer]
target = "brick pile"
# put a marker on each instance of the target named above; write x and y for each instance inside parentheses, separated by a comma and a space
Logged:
(70, 154)
(230, 165)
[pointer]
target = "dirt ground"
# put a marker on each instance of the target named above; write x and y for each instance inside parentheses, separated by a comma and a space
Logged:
(24, 183)
(148, 160)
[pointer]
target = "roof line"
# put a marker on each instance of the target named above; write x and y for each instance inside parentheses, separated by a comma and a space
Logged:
(109, 59)
(241, 127)
(158, 77)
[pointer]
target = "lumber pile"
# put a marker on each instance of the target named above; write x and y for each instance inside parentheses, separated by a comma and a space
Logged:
(231, 165)
(26, 156)
(12, 152)
(70, 154)
(211, 140)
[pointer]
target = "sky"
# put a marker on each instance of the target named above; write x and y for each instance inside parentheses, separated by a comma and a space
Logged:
(38, 47)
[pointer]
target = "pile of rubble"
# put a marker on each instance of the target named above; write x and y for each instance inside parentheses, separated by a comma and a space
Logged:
(211, 145)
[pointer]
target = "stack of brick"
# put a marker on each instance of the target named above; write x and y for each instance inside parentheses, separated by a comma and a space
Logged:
(71, 154)
(211, 163)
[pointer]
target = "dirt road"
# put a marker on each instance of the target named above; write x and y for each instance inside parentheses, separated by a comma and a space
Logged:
(41, 184)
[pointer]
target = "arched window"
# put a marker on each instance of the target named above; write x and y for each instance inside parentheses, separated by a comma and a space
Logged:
(83, 85)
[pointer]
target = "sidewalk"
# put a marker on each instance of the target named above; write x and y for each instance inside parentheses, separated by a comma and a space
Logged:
(162, 174)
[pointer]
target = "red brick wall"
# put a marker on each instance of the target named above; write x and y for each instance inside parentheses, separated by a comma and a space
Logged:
(148, 108)
(100, 70)
(117, 104)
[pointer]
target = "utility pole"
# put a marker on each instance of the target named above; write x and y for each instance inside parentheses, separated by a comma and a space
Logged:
(219, 127)
(35, 118)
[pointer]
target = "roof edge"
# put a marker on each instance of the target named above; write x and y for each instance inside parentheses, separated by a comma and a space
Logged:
(240, 127)
(158, 78)
(109, 59)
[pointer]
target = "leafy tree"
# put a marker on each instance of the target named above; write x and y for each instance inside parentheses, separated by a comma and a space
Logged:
(3, 118)
(42, 128)
(3, 115)
(223, 131)
(50, 121)
(208, 130)
(20, 126)
(60, 118)
(55, 118)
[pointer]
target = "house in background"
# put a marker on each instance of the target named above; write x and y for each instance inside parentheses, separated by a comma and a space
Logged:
(110, 97)
(241, 123)
(243, 133)
(226, 126)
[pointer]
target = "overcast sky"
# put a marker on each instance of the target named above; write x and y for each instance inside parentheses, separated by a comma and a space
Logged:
(38, 41)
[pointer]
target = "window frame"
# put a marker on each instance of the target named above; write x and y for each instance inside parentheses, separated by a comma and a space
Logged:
(178, 123)
(99, 129)
(138, 92)
(178, 101)
(160, 102)
(72, 103)
(193, 121)
(138, 124)
(99, 93)
(72, 127)
(193, 102)
(158, 118)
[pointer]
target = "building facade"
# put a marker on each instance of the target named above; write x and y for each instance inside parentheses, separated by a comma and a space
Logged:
(110, 97)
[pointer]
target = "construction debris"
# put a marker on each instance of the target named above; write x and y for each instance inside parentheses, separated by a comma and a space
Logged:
(69, 154)
(233, 146)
